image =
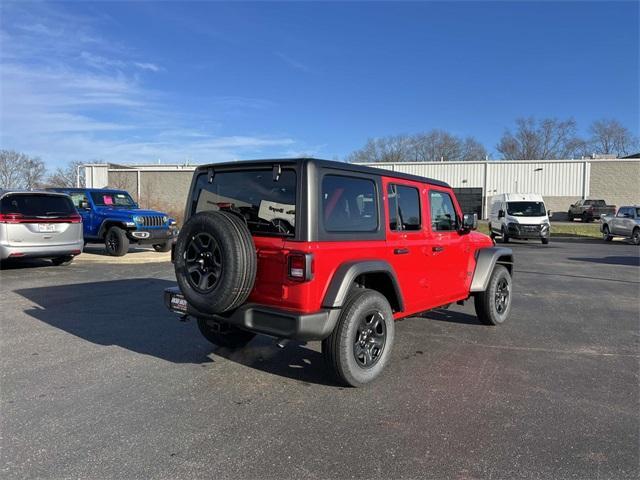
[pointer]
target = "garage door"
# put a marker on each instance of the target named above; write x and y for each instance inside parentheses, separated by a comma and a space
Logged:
(470, 200)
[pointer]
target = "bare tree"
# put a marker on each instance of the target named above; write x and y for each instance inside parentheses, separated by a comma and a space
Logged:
(608, 136)
(34, 173)
(544, 139)
(66, 176)
(431, 146)
(18, 170)
(386, 149)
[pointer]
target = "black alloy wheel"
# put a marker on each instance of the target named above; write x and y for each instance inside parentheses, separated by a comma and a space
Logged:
(371, 336)
(204, 262)
(502, 295)
(113, 241)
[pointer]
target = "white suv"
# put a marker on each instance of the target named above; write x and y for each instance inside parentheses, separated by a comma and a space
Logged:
(39, 224)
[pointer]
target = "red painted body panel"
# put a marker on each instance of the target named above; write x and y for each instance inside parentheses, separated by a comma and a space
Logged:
(437, 269)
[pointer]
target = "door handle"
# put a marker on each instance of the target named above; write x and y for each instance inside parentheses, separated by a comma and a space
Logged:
(401, 251)
(438, 248)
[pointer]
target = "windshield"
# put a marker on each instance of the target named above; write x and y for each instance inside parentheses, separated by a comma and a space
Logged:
(526, 209)
(268, 205)
(112, 199)
(37, 205)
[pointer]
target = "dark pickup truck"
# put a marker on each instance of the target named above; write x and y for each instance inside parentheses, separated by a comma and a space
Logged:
(588, 210)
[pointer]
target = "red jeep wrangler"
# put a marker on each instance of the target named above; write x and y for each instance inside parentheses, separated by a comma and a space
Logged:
(310, 249)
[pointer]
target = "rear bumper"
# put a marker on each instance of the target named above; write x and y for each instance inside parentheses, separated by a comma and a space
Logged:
(262, 319)
(18, 251)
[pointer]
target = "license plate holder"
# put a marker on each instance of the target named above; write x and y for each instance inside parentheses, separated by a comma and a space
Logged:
(46, 228)
(177, 303)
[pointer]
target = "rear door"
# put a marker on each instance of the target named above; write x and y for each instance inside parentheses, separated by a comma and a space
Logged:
(450, 250)
(40, 219)
(407, 241)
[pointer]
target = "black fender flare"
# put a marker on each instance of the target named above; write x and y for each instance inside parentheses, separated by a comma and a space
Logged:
(486, 259)
(346, 274)
(102, 231)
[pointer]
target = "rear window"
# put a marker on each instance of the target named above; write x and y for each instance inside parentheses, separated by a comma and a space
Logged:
(37, 205)
(595, 203)
(267, 203)
(349, 204)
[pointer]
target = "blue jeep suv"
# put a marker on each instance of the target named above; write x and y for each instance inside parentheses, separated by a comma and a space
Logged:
(112, 217)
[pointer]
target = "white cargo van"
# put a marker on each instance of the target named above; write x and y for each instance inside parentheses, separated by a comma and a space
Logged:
(519, 215)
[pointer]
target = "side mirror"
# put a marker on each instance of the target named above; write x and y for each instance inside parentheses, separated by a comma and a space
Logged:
(469, 221)
(84, 205)
(549, 213)
(500, 213)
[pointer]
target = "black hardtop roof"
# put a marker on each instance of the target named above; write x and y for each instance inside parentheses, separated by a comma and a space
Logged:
(81, 189)
(349, 167)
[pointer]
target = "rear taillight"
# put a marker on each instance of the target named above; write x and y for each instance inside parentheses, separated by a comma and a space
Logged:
(19, 218)
(11, 217)
(300, 266)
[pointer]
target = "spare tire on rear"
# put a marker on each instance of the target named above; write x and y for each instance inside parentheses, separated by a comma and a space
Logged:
(215, 261)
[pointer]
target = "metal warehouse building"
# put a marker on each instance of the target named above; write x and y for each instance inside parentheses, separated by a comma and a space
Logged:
(560, 182)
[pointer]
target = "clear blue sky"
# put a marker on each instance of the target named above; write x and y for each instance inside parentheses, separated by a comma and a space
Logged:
(134, 82)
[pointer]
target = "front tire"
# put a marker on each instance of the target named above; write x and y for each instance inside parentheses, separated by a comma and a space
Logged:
(505, 235)
(545, 241)
(223, 334)
(494, 304)
(635, 236)
(359, 347)
(162, 247)
(606, 235)
(116, 242)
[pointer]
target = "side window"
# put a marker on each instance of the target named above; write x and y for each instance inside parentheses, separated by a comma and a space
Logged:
(404, 208)
(349, 204)
(77, 198)
(443, 213)
(621, 212)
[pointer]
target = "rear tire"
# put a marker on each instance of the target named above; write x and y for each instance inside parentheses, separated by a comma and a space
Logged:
(545, 241)
(162, 247)
(116, 242)
(606, 235)
(585, 217)
(223, 334)
(62, 261)
(359, 347)
(494, 304)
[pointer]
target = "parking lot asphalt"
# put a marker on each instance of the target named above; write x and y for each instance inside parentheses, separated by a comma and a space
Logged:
(98, 380)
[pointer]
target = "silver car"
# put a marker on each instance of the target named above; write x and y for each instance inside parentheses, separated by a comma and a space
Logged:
(39, 224)
(625, 223)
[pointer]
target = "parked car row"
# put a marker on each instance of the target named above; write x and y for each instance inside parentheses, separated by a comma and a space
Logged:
(57, 223)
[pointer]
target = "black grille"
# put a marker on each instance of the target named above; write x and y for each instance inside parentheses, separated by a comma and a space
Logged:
(530, 228)
(152, 221)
